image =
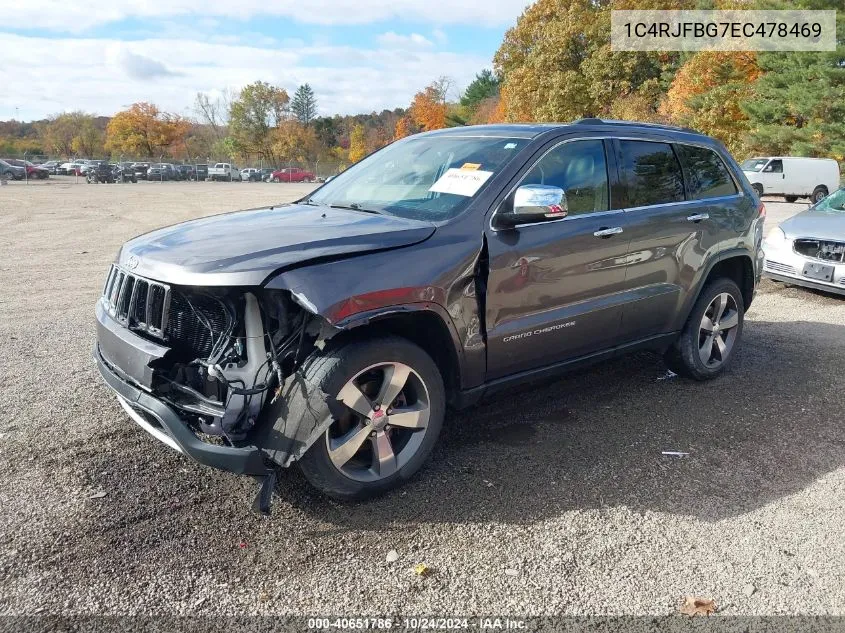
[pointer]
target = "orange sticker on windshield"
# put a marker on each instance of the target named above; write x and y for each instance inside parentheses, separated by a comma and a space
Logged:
(472, 166)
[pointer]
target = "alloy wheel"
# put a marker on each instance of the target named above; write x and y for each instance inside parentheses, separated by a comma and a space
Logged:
(717, 331)
(381, 422)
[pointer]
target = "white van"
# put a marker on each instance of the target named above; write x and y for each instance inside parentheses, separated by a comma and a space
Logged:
(792, 177)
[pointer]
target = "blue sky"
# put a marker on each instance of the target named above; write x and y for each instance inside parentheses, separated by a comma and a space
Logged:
(358, 57)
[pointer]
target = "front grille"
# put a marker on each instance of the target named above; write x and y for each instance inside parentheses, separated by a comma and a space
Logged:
(824, 250)
(137, 303)
(188, 323)
(194, 323)
(780, 268)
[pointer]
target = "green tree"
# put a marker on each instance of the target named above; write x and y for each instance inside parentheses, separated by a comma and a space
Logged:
(258, 109)
(304, 104)
(798, 105)
(484, 86)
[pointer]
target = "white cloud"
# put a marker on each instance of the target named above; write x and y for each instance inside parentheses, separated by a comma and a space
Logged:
(43, 76)
(78, 15)
(395, 40)
(139, 66)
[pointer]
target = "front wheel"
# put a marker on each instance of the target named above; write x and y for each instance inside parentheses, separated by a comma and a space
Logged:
(386, 403)
(758, 189)
(712, 332)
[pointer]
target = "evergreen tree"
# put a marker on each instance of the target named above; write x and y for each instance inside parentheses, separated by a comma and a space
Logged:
(484, 86)
(304, 104)
(798, 104)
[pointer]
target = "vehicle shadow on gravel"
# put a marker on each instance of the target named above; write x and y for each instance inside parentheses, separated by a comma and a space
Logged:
(593, 439)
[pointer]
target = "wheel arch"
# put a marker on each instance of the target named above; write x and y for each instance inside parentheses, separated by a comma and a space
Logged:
(421, 324)
(736, 265)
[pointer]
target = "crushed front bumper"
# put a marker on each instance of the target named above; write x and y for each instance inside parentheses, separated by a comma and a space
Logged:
(123, 359)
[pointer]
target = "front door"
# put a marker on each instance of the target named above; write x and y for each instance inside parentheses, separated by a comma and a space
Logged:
(772, 177)
(553, 290)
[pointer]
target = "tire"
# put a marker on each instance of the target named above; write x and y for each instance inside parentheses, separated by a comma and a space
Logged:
(758, 189)
(687, 354)
(404, 449)
(791, 199)
(275, 179)
(819, 194)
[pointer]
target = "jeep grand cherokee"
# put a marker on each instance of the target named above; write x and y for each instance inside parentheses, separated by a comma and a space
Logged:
(333, 332)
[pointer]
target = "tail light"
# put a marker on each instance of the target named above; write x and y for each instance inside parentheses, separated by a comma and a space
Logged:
(761, 210)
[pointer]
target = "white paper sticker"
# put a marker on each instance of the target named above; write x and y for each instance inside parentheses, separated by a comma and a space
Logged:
(462, 182)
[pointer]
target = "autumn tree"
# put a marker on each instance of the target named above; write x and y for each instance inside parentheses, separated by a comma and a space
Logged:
(357, 143)
(707, 92)
(304, 104)
(556, 64)
(428, 109)
(72, 133)
(258, 109)
(144, 130)
(88, 140)
(402, 129)
(295, 143)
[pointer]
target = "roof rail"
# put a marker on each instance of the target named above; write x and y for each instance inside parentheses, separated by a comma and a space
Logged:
(596, 121)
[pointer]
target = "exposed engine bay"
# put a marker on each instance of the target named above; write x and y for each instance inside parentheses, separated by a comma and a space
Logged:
(230, 350)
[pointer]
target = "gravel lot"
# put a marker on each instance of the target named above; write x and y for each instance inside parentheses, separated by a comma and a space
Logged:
(550, 501)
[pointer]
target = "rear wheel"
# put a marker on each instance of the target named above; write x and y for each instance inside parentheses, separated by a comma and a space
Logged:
(819, 194)
(386, 405)
(712, 332)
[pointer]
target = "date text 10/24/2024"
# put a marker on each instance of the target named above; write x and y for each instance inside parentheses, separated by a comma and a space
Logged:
(418, 624)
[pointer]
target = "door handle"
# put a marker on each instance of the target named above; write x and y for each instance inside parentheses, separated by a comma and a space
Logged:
(698, 217)
(616, 230)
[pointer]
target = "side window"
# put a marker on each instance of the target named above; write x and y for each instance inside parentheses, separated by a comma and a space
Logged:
(580, 169)
(651, 173)
(774, 167)
(707, 175)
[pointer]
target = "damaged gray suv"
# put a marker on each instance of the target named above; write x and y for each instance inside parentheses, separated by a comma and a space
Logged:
(334, 332)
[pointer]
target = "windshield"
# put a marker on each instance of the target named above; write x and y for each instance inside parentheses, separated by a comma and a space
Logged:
(754, 164)
(427, 178)
(834, 203)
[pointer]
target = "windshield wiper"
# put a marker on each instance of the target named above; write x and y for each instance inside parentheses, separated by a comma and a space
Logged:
(354, 206)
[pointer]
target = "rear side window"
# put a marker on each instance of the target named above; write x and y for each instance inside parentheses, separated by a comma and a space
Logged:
(707, 175)
(651, 173)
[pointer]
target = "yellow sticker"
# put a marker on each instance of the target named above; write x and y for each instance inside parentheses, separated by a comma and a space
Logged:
(472, 166)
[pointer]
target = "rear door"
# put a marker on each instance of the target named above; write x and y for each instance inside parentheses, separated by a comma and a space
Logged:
(553, 286)
(680, 203)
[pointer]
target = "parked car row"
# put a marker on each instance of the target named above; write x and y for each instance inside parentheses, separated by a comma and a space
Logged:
(160, 171)
(20, 169)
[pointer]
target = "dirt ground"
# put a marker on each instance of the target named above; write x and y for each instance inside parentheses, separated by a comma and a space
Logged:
(547, 501)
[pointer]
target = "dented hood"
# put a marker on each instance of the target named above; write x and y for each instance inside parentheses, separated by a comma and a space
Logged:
(246, 247)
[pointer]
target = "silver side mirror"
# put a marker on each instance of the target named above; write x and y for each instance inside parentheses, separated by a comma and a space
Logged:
(535, 203)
